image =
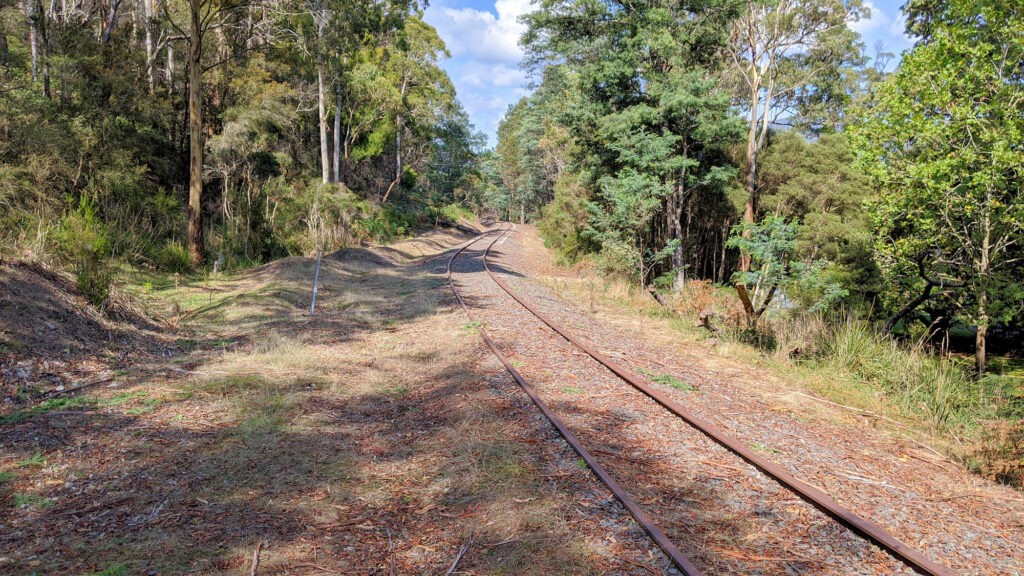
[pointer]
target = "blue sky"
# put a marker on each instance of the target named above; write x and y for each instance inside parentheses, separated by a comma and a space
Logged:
(483, 36)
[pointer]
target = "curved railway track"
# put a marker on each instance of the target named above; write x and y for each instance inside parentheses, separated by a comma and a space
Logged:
(813, 496)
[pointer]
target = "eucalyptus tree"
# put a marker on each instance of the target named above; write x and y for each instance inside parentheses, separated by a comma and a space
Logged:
(942, 139)
(425, 92)
(786, 56)
(202, 16)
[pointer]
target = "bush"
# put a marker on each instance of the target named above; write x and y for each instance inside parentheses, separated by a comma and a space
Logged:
(93, 277)
(82, 239)
(82, 234)
(388, 224)
(173, 257)
(454, 212)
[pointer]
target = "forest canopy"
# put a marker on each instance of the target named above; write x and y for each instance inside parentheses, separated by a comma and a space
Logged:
(173, 133)
(757, 144)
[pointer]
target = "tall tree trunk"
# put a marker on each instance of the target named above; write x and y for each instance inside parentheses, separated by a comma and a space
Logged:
(108, 25)
(750, 206)
(33, 36)
(398, 143)
(398, 159)
(724, 247)
(325, 155)
(345, 152)
(983, 270)
(5, 57)
(337, 138)
(43, 51)
(979, 339)
(675, 224)
(196, 248)
(170, 69)
(150, 7)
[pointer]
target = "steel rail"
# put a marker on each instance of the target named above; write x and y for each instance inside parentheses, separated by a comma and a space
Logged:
(817, 498)
(657, 534)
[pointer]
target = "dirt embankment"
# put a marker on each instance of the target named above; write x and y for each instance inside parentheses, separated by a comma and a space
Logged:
(52, 339)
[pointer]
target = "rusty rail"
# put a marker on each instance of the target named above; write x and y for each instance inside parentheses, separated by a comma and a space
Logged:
(660, 538)
(817, 498)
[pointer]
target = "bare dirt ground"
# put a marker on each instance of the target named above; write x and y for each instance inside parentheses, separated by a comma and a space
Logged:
(382, 437)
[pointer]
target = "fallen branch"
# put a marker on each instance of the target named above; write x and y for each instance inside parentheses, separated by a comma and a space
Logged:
(658, 298)
(54, 393)
(462, 552)
(853, 409)
(229, 373)
(704, 320)
(256, 558)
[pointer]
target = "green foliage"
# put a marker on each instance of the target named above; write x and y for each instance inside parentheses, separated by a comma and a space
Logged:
(115, 570)
(565, 220)
(32, 501)
(667, 380)
(643, 120)
(174, 258)
(771, 245)
(100, 131)
(389, 224)
(941, 140)
(818, 185)
(45, 406)
(37, 460)
(81, 240)
(453, 213)
(82, 234)
(93, 278)
(931, 385)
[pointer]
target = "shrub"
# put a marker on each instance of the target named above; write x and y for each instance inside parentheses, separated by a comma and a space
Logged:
(388, 224)
(81, 233)
(173, 257)
(454, 212)
(82, 239)
(93, 278)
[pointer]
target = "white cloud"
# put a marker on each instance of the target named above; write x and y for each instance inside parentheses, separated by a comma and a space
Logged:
(877, 21)
(481, 35)
(498, 75)
(898, 28)
(485, 56)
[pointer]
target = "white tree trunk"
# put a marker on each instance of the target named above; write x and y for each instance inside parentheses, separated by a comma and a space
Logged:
(325, 156)
(33, 36)
(337, 138)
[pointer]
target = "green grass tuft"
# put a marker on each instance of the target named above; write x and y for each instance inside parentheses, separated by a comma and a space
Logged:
(38, 460)
(667, 380)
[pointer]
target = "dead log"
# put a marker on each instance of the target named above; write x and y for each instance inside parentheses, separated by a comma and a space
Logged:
(659, 298)
(704, 321)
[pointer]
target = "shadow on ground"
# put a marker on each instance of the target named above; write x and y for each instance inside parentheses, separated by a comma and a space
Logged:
(375, 438)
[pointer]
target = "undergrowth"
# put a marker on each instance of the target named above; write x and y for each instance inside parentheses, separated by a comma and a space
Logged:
(846, 359)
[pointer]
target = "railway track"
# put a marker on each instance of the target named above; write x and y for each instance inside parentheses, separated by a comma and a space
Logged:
(864, 528)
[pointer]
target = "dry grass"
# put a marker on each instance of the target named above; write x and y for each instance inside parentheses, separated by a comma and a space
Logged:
(378, 437)
(845, 362)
